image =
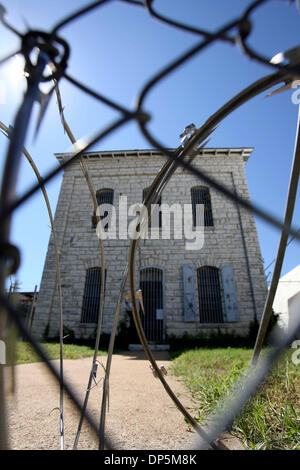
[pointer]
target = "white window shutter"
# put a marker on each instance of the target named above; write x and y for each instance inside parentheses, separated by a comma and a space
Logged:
(230, 297)
(190, 313)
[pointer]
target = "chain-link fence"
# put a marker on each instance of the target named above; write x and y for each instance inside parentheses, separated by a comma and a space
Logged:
(53, 51)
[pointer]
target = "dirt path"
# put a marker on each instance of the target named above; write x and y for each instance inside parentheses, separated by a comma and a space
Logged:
(141, 414)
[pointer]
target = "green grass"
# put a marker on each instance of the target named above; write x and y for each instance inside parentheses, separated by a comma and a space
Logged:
(25, 354)
(271, 420)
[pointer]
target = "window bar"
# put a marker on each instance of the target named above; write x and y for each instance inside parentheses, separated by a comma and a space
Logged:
(156, 322)
(104, 196)
(91, 297)
(212, 298)
(96, 294)
(151, 280)
(155, 302)
(209, 294)
(88, 296)
(153, 277)
(150, 286)
(162, 304)
(201, 195)
(97, 287)
(158, 303)
(152, 283)
(151, 299)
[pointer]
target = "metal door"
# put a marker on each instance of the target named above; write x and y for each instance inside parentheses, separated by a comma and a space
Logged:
(152, 286)
(209, 292)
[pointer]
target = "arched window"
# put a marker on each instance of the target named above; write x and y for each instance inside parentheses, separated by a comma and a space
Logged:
(91, 296)
(155, 216)
(104, 196)
(201, 195)
(209, 295)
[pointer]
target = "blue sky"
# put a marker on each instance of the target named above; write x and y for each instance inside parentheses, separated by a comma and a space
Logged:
(115, 50)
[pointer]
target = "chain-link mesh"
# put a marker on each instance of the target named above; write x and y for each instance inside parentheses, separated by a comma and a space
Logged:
(54, 51)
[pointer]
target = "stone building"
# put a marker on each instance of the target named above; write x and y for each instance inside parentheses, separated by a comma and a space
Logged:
(220, 285)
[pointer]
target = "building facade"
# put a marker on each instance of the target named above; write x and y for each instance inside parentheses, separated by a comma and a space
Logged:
(287, 299)
(220, 285)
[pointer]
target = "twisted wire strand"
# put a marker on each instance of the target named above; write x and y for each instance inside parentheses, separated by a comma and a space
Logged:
(78, 14)
(142, 118)
(254, 89)
(191, 29)
(244, 33)
(12, 206)
(97, 96)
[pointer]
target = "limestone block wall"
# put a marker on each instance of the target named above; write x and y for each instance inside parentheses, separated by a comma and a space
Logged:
(232, 240)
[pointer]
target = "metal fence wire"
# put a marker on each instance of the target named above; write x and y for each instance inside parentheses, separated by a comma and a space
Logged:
(54, 51)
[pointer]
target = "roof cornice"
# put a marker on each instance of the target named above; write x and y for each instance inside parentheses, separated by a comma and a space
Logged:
(245, 152)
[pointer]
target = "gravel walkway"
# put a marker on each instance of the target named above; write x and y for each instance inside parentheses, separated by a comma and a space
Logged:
(141, 415)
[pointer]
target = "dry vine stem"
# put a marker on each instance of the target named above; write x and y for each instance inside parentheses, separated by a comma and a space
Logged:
(110, 351)
(250, 92)
(165, 173)
(10, 174)
(153, 194)
(289, 211)
(17, 318)
(7, 132)
(86, 174)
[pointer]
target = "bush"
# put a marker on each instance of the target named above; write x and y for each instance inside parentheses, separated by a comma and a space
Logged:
(218, 339)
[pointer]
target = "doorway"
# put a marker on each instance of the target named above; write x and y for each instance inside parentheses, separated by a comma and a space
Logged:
(152, 286)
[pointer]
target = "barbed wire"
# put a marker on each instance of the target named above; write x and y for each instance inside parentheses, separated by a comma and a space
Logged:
(55, 51)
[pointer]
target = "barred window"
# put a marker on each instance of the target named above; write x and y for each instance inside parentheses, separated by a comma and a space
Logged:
(209, 294)
(201, 195)
(104, 196)
(158, 203)
(91, 296)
